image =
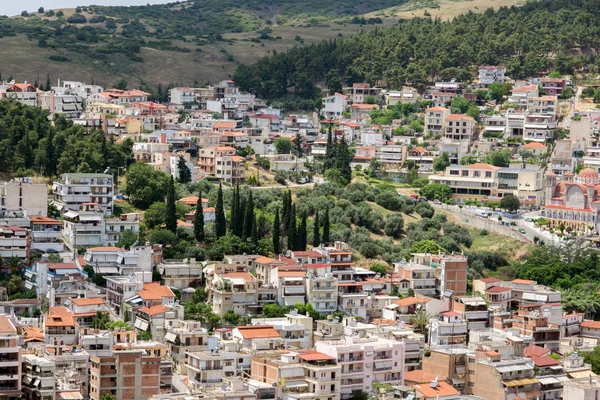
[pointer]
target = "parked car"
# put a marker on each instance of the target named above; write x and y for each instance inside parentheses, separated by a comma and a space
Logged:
(521, 230)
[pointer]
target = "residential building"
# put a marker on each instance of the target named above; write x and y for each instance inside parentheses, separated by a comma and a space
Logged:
(71, 106)
(407, 95)
(76, 88)
(539, 127)
(110, 260)
(449, 362)
(120, 288)
(25, 93)
(459, 127)
(452, 271)
(535, 148)
(334, 106)
(456, 149)
(72, 191)
(235, 291)
(582, 389)
(295, 330)
(435, 391)
(10, 359)
(546, 105)
(391, 156)
(449, 329)
(422, 278)
(115, 227)
(474, 310)
(60, 327)
(499, 297)
(117, 96)
(360, 92)
(489, 74)
(223, 163)
(422, 158)
(181, 274)
(553, 86)
(209, 368)
(321, 288)
(434, 120)
(182, 96)
(14, 242)
(520, 95)
(85, 309)
(84, 228)
(128, 374)
(364, 361)
(46, 234)
(42, 371)
(43, 276)
(182, 337)
(23, 197)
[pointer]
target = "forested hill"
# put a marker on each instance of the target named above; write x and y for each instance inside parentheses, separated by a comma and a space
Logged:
(540, 36)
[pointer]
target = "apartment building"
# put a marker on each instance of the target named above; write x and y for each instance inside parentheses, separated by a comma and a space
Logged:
(115, 227)
(489, 74)
(407, 95)
(422, 158)
(474, 310)
(364, 361)
(182, 337)
(359, 92)
(546, 105)
(448, 330)
(22, 197)
(73, 190)
(222, 162)
(391, 156)
(553, 86)
(181, 274)
(422, 278)
(291, 286)
(110, 260)
(14, 242)
(42, 371)
(449, 362)
(120, 288)
(456, 149)
(434, 120)
(71, 106)
(582, 389)
(321, 288)
(60, 327)
(235, 291)
(334, 106)
(128, 374)
(25, 93)
(46, 234)
(208, 368)
(459, 127)
(304, 374)
(42, 277)
(76, 88)
(10, 359)
(520, 95)
(468, 181)
(539, 127)
(452, 271)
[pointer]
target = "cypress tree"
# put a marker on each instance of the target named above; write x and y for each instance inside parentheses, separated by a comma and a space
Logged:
(329, 149)
(220, 224)
(276, 234)
(326, 238)
(285, 213)
(233, 213)
(343, 159)
(254, 235)
(248, 217)
(316, 231)
(291, 231)
(199, 219)
(262, 225)
(185, 175)
(171, 213)
(241, 215)
(301, 235)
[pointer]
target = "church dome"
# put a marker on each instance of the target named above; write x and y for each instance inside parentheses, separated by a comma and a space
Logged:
(588, 173)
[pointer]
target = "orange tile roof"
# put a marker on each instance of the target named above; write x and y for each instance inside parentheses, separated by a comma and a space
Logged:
(244, 275)
(545, 361)
(590, 324)
(155, 291)
(311, 253)
(184, 224)
(191, 200)
(535, 351)
(44, 221)
(442, 389)
(489, 280)
(437, 109)
(88, 302)
(154, 310)
(264, 260)
(104, 249)
(459, 117)
(482, 166)
(291, 274)
(420, 376)
(81, 261)
(409, 301)
(258, 332)
(63, 266)
(526, 88)
(60, 316)
(498, 289)
(33, 334)
(224, 125)
(522, 281)
(314, 356)
(6, 325)
(225, 148)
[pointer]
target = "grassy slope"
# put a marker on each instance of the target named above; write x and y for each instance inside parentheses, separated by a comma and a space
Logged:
(25, 60)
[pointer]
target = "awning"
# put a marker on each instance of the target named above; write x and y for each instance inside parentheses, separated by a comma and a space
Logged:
(548, 380)
(520, 382)
(460, 369)
(107, 270)
(36, 382)
(27, 380)
(384, 364)
(456, 381)
(28, 274)
(295, 384)
(141, 324)
(563, 378)
(170, 337)
(71, 214)
(89, 217)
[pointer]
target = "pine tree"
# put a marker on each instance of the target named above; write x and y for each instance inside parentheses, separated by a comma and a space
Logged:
(185, 175)
(171, 213)
(233, 213)
(220, 224)
(248, 217)
(291, 230)
(316, 231)
(301, 235)
(276, 234)
(48, 84)
(199, 220)
(326, 227)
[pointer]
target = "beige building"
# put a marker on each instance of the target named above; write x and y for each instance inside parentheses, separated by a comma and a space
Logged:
(23, 197)
(434, 120)
(459, 127)
(222, 162)
(128, 374)
(10, 360)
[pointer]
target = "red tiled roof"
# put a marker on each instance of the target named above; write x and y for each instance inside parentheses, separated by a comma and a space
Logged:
(489, 280)
(88, 301)
(154, 310)
(535, 351)
(155, 291)
(590, 324)
(258, 332)
(6, 325)
(420, 376)
(442, 389)
(498, 289)
(544, 361)
(60, 316)
(522, 281)
(314, 356)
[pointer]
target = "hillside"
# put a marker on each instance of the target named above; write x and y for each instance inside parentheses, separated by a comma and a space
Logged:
(529, 40)
(183, 43)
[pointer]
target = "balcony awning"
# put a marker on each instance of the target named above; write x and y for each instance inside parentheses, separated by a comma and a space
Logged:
(26, 380)
(383, 364)
(460, 369)
(71, 214)
(28, 274)
(141, 324)
(295, 384)
(36, 382)
(170, 337)
(520, 382)
(548, 380)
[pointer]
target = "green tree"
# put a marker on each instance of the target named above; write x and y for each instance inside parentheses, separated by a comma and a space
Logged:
(126, 239)
(283, 145)
(199, 219)
(468, 160)
(394, 225)
(419, 321)
(380, 269)
(326, 228)
(498, 158)
(52, 258)
(276, 234)
(155, 214)
(441, 162)
(274, 311)
(291, 230)
(171, 212)
(298, 151)
(329, 149)
(107, 396)
(436, 191)
(185, 175)
(427, 246)
(316, 230)
(248, 217)
(220, 224)
(343, 158)
(144, 185)
(301, 235)
(510, 203)
(100, 320)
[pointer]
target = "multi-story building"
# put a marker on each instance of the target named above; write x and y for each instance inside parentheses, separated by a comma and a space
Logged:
(14, 242)
(539, 127)
(60, 327)
(110, 260)
(449, 362)
(459, 127)
(334, 106)
(359, 92)
(181, 274)
(364, 361)
(40, 370)
(182, 337)
(407, 95)
(211, 367)
(391, 156)
(520, 95)
(72, 191)
(114, 227)
(25, 93)
(120, 288)
(582, 389)
(474, 310)
(71, 106)
(546, 105)
(489, 74)
(235, 291)
(46, 234)
(434, 120)
(76, 88)
(456, 149)
(10, 360)
(452, 271)
(222, 162)
(422, 278)
(23, 197)
(321, 288)
(43, 276)
(448, 330)
(128, 374)
(553, 86)
(422, 158)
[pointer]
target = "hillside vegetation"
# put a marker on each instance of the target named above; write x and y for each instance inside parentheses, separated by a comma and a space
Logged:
(167, 43)
(538, 37)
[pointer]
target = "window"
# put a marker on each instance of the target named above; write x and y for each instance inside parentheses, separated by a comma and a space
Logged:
(471, 361)
(488, 174)
(471, 372)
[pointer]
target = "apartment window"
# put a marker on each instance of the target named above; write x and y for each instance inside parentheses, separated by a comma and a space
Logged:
(471, 372)
(476, 174)
(471, 384)
(471, 361)
(488, 174)
(465, 173)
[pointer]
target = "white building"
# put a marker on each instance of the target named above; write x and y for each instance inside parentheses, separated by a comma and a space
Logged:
(365, 361)
(321, 288)
(23, 197)
(77, 88)
(489, 74)
(334, 106)
(72, 191)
